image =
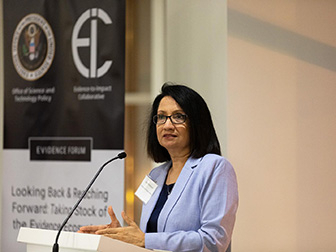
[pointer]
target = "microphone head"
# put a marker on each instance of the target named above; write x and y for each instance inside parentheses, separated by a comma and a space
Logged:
(122, 155)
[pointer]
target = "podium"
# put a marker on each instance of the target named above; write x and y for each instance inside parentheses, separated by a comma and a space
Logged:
(41, 240)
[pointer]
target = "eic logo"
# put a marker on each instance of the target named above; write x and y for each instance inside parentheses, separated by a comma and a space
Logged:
(91, 42)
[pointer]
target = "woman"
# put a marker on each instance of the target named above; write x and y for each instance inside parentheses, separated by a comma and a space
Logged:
(195, 203)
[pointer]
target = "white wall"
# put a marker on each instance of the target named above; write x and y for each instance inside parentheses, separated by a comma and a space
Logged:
(278, 108)
(196, 34)
(282, 123)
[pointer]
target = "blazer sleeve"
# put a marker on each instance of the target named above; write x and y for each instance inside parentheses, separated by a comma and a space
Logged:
(218, 201)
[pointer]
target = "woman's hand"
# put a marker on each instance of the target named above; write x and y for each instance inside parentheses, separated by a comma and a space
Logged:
(131, 234)
(93, 229)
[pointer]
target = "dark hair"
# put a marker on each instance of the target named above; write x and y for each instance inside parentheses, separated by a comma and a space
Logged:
(203, 138)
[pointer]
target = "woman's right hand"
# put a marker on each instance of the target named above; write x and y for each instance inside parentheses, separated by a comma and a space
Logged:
(93, 229)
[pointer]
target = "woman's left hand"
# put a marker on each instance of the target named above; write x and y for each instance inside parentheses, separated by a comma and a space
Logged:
(93, 229)
(131, 234)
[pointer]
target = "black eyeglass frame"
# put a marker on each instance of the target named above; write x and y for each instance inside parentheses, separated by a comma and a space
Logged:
(170, 117)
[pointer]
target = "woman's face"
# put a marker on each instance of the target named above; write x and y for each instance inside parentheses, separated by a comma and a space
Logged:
(174, 137)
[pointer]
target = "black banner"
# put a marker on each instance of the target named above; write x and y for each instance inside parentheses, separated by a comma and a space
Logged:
(64, 71)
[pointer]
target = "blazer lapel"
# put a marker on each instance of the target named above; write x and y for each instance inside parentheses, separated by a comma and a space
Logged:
(179, 187)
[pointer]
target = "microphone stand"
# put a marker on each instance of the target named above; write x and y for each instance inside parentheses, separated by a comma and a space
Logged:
(121, 155)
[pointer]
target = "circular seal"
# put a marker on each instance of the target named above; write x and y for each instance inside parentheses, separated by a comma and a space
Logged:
(33, 47)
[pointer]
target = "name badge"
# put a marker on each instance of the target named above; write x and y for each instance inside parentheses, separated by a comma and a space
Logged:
(146, 189)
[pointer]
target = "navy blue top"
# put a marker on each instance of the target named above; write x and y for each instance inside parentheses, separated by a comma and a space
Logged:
(152, 222)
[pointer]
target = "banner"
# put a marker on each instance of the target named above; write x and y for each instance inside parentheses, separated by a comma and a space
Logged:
(63, 113)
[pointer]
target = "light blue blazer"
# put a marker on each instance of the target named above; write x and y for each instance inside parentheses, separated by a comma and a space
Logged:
(200, 212)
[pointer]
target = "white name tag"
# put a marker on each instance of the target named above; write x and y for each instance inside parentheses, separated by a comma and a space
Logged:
(146, 189)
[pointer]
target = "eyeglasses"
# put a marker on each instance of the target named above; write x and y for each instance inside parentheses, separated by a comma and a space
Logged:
(177, 118)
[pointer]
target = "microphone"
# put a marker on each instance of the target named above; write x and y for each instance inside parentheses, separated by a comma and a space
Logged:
(121, 155)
